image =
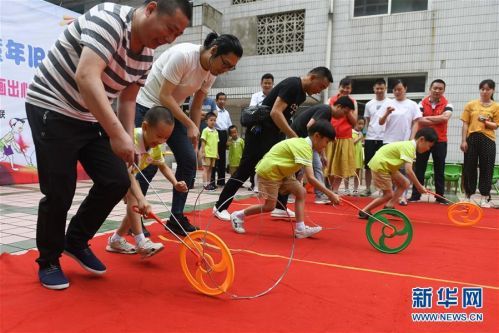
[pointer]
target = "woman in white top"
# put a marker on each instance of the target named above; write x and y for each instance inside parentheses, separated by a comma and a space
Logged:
(400, 119)
(183, 70)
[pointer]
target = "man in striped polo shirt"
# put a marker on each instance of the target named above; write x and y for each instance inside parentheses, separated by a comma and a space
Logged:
(104, 54)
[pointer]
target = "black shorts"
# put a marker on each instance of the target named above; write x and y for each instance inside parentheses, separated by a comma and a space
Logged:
(370, 148)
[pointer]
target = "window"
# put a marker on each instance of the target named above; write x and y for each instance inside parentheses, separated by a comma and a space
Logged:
(281, 33)
(380, 7)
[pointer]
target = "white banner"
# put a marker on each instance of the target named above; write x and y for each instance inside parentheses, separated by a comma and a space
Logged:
(28, 29)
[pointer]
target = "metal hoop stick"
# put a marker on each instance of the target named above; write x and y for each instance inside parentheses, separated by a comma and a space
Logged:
(368, 214)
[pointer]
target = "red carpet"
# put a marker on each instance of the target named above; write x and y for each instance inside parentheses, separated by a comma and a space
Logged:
(337, 283)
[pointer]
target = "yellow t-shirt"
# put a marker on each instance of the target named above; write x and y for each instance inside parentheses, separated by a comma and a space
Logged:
(285, 159)
(153, 155)
(236, 152)
(473, 110)
(392, 156)
(210, 137)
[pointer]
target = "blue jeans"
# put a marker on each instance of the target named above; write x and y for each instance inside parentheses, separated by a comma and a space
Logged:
(318, 174)
(185, 157)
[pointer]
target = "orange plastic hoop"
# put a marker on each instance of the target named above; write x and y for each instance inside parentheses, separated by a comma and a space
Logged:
(465, 214)
(211, 272)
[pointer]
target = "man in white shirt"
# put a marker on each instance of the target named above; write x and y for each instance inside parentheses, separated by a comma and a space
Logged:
(375, 132)
(267, 83)
(222, 126)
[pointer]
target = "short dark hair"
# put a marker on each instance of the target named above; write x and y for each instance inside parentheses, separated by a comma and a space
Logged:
(345, 101)
(380, 81)
(225, 44)
(158, 114)
(231, 127)
(428, 134)
(324, 128)
(168, 7)
(322, 72)
(267, 76)
(437, 81)
(220, 94)
(345, 82)
(399, 81)
(210, 114)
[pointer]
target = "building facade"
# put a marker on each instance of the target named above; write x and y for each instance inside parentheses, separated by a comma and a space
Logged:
(418, 40)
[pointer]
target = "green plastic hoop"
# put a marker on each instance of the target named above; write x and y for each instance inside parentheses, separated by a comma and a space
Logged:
(389, 231)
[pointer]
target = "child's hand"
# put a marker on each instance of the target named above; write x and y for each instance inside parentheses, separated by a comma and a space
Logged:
(144, 207)
(181, 186)
(335, 198)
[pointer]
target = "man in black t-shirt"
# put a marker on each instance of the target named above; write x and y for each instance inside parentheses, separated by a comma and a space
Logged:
(284, 99)
(301, 122)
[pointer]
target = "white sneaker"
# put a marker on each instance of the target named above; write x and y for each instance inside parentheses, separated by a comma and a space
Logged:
(237, 224)
(223, 215)
(291, 199)
(307, 232)
(121, 246)
(282, 213)
(146, 248)
(322, 200)
(355, 193)
(485, 204)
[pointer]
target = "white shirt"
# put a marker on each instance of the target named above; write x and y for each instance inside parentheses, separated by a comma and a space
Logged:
(399, 123)
(181, 66)
(223, 119)
(257, 98)
(374, 110)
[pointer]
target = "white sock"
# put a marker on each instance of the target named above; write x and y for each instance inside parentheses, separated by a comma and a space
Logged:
(139, 238)
(300, 225)
(115, 237)
(239, 214)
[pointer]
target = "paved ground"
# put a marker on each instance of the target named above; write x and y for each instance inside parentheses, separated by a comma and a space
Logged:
(19, 205)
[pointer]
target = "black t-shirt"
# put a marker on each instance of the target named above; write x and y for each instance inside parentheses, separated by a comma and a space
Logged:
(319, 111)
(290, 91)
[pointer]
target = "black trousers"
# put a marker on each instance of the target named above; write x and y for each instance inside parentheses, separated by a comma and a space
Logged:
(221, 163)
(256, 145)
(60, 142)
(482, 154)
(438, 153)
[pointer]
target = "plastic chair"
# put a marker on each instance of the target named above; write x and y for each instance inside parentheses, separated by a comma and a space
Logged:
(428, 174)
(495, 178)
(452, 173)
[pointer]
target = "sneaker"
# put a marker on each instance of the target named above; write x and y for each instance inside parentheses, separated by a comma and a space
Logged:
(237, 224)
(291, 199)
(52, 277)
(282, 213)
(210, 188)
(307, 232)
(364, 215)
(184, 222)
(441, 201)
(346, 192)
(121, 246)
(355, 193)
(414, 199)
(322, 200)
(484, 203)
(87, 259)
(223, 215)
(366, 193)
(147, 248)
(402, 202)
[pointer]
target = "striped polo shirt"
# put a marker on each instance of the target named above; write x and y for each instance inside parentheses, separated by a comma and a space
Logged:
(106, 29)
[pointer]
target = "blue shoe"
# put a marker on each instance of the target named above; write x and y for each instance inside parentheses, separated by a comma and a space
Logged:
(87, 259)
(52, 277)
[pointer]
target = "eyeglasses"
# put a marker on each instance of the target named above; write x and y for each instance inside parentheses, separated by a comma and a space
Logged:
(227, 65)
